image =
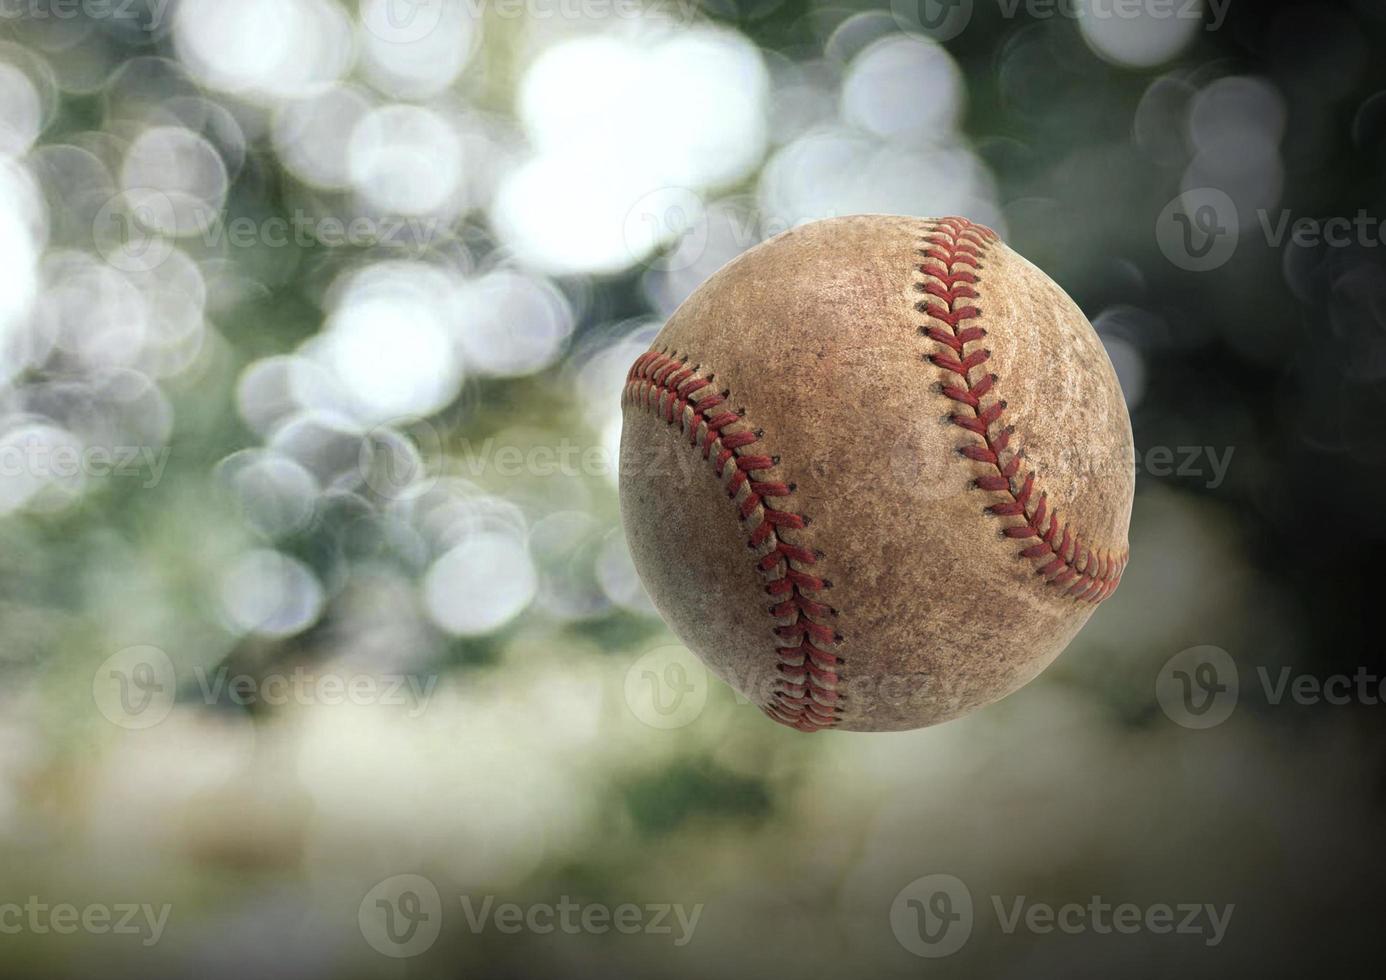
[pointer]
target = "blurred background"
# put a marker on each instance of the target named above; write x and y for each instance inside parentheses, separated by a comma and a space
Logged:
(321, 653)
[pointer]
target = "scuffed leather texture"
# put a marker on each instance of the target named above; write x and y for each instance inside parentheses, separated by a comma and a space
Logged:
(815, 337)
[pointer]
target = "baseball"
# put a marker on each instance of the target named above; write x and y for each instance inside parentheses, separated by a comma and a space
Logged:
(897, 472)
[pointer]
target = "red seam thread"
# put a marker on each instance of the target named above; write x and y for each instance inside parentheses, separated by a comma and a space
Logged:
(805, 695)
(952, 258)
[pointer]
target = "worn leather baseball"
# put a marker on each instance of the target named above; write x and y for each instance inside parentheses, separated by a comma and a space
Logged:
(876, 472)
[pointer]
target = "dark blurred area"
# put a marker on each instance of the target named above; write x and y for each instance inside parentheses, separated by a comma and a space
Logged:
(321, 653)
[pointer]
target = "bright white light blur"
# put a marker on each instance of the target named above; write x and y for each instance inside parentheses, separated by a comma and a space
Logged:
(615, 120)
(21, 114)
(389, 342)
(416, 49)
(311, 136)
(1140, 35)
(267, 49)
(396, 359)
(904, 87)
(569, 214)
(480, 585)
(511, 324)
(406, 160)
(19, 259)
(840, 172)
(270, 594)
(91, 310)
(175, 181)
(688, 107)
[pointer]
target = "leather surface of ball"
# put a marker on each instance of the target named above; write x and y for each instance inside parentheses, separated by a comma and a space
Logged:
(876, 472)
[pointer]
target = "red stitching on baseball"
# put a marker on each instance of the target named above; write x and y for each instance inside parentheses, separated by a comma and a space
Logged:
(953, 254)
(806, 692)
